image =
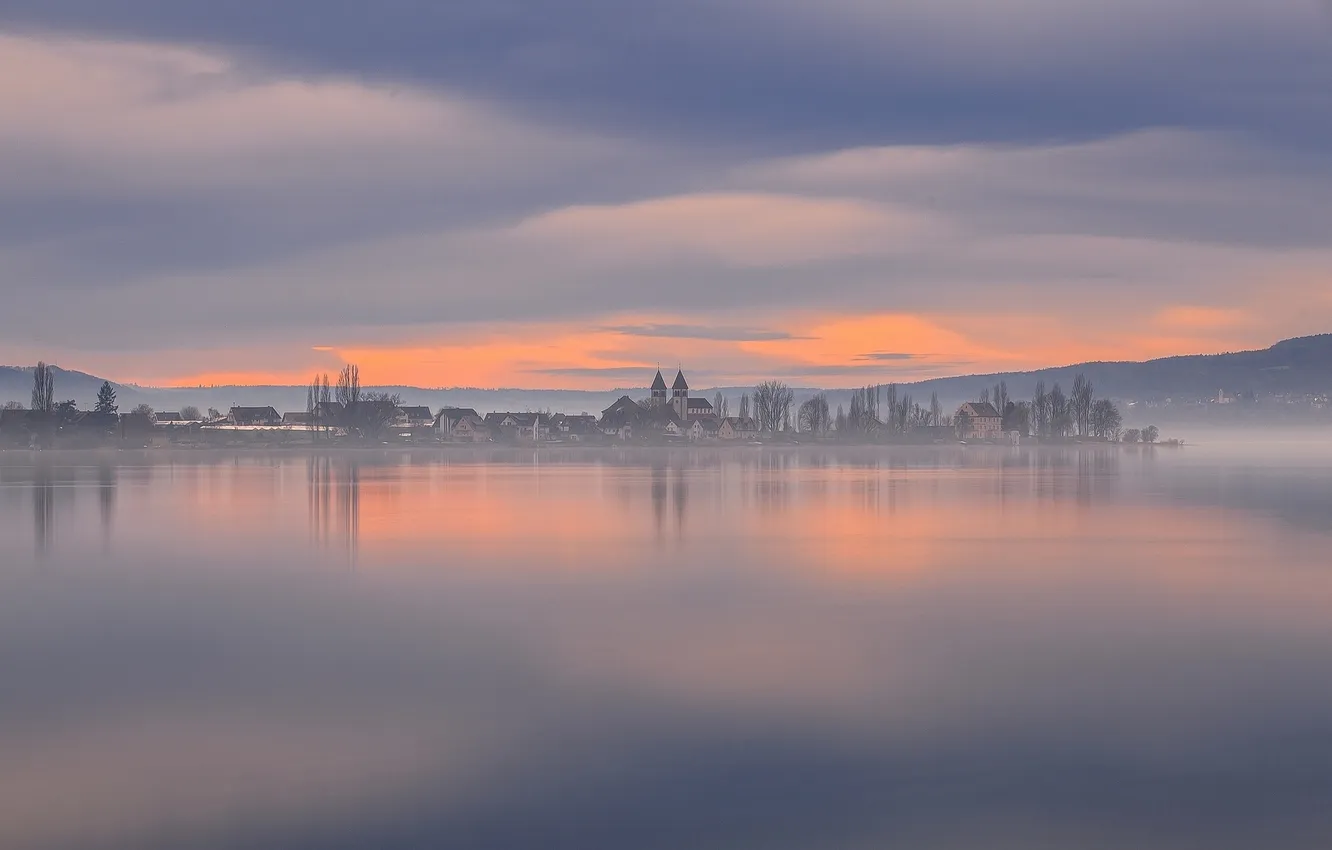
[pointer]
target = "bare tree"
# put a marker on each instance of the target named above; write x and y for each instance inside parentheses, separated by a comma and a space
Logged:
(1080, 402)
(1105, 420)
(717, 402)
(744, 406)
(12, 405)
(349, 387)
(214, 414)
(1150, 434)
(1131, 436)
(839, 424)
(772, 404)
(190, 413)
(1061, 420)
(962, 422)
(43, 388)
(143, 410)
(813, 415)
(1000, 397)
(936, 409)
(373, 414)
(1040, 411)
(985, 396)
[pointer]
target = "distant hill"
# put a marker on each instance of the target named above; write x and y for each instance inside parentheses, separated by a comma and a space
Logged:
(1299, 366)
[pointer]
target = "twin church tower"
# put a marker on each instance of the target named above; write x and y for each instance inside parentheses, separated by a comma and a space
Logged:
(684, 407)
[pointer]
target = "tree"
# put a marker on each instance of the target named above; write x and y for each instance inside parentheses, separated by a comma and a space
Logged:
(106, 399)
(66, 409)
(143, 410)
(1000, 397)
(1080, 402)
(373, 413)
(718, 404)
(190, 413)
(839, 424)
(43, 388)
(12, 405)
(813, 415)
(214, 414)
(1061, 421)
(349, 387)
(744, 405)
(984, 396)
(1105, 421)
(962, 422)
(1017, 417)
(1131, 435)
(936, 409)
(772, 404)
(1150, 433)
(1040, 411)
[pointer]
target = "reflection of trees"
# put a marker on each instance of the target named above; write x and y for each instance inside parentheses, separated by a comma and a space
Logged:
(334, 493)
(106, 496)
(43, 508)
(659, 488)
(680, 490)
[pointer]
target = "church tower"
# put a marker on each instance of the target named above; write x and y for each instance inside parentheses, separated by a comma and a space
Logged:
(680, 396)
(659, 390)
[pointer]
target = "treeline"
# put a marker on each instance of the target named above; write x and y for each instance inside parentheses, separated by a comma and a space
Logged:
(348, 410)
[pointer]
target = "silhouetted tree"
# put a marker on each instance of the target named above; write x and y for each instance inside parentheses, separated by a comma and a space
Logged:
(1040, 411)
(1080, 402)
(143, 410)
(962, 423)
(1061, 421)
(106, 399)
(214, 414)
(13, 405)
(1105, 420)
(744, 406)
(1150, 434)
(1000, 397)
(840, 422)
(772, 404)
(1131, 436)
(349, 388)
(813, 416)
(43, 388)
(374, 413)
(717, 402)
(936, 409)
(190, 413)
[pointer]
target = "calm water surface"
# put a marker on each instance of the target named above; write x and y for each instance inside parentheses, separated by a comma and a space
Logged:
(940, 648)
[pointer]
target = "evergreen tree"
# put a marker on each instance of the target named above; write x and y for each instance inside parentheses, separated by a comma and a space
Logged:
(106, 399)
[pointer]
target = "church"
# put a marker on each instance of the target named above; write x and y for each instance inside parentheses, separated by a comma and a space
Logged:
(685, 408)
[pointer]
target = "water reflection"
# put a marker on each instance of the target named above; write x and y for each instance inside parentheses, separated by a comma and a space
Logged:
(334, 498)
(769, 649)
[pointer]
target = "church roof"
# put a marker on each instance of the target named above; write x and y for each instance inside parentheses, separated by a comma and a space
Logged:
(659, 383)
(680, 382)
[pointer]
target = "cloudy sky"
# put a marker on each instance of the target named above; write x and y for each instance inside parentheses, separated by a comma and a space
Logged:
(566, 192)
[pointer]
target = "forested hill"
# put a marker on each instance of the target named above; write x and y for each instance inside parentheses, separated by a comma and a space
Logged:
(1298, 366)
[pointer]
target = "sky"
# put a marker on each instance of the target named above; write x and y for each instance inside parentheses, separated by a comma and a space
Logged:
(567, 193)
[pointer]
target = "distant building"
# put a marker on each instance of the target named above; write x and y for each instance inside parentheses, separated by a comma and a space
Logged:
(415, 416)
(737, 428)
(300, 419)
(984, 422)
(575, 429)
(254, 417)
(163, 417)
(685, 408)
(522, 427)
(461, 424)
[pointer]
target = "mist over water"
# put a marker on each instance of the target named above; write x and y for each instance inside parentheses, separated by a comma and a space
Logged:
(945, 647)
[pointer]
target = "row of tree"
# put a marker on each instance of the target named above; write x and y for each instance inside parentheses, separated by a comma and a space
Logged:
(345, 407)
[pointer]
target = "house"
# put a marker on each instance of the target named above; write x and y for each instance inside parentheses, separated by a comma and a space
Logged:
(705, 428)
(574, 428)
(737, 428)
(299, 419)
(415, 416)
(983, 422)
(261, 417)
(521, 427)
(621, 418)
(167, 418)
(461, 424)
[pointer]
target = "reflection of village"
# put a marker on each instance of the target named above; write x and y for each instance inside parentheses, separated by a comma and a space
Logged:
(515, 498)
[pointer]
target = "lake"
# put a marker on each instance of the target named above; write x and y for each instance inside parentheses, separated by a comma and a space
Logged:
(950, 647)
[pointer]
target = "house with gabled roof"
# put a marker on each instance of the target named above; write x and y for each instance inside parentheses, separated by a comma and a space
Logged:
(983, 421)
(461, 424)
(738, 428)
(254, 417)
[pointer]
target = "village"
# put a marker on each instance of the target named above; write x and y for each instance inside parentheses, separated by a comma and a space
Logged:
(667, 415)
